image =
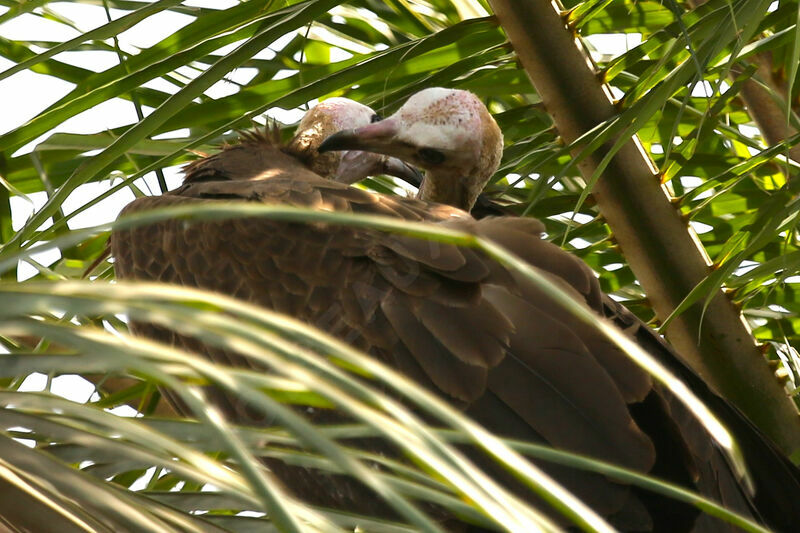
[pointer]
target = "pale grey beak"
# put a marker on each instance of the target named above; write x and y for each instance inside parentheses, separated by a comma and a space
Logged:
(377, 138)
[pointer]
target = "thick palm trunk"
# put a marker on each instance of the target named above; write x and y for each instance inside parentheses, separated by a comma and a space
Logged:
(663, 253)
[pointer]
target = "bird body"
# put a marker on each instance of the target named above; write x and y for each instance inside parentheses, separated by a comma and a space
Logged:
(448, 317)
(427, 131)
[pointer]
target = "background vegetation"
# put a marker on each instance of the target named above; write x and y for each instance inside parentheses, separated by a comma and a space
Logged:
(721, 160)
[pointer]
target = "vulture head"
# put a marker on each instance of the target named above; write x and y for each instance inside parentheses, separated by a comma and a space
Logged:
(333, 115)
(447, 132)
(256, 152)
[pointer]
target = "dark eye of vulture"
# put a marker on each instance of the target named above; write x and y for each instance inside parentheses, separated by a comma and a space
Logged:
(450, 318)
(430, 156)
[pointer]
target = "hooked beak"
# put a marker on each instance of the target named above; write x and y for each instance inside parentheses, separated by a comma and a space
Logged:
(400, 169)
(377, 138)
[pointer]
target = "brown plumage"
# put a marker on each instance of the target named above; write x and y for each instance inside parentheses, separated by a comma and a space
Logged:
(452, 136)
(450, 318)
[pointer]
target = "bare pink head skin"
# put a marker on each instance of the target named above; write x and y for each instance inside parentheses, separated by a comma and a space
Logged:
(447, 132)
(325, 119)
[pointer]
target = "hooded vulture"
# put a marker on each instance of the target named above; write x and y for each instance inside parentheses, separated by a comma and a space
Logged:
(450, 318)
